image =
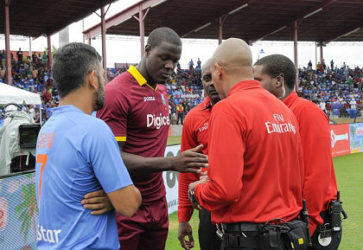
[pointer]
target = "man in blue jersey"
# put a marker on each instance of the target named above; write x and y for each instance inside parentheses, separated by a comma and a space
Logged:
(77, 154)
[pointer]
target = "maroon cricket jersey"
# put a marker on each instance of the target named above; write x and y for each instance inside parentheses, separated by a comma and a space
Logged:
(139, 115)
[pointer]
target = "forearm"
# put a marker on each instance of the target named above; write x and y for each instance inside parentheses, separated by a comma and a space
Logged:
(138, 165)
(185, 207)
(209, 198)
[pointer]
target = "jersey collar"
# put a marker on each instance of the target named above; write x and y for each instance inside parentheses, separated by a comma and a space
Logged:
(290, 98)
(138, 77)
(243, 85)
(207, 103)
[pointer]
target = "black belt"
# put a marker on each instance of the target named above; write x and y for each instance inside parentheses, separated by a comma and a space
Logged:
(241, 227)
(241, 234)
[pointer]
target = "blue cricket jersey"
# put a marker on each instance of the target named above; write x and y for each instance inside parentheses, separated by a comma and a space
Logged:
(76, 154)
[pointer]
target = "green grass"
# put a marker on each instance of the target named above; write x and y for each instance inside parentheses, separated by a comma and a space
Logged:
(172, 242)
(174, 139)
(349, 174)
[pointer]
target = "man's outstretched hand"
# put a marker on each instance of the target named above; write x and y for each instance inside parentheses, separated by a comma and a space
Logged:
(190, 161)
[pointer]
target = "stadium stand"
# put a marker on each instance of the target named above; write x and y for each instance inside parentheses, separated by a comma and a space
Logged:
(336, 90)
(32, 74)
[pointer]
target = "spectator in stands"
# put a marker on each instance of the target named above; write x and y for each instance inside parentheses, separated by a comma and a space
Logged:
(47, 93)
(323, 105)
(20, 56)
(2, 59)
(199, 63)
(2, 73)
(191, 64)
(45, 57)
(180, 113)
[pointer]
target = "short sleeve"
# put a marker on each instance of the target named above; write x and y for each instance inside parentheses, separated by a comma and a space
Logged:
(115, 113)
(105, 159)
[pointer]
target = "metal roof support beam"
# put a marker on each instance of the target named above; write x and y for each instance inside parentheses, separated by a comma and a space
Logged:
(302, 16)
(347, 32)
(141, 20)
(220, 27)
(121, 17)
(321, 53)
(296, 27)
(7, 42)
(223, 15)
(49, 51)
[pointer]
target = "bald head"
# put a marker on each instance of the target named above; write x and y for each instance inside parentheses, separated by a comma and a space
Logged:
(206, 65)
(232, 54)
(232, 63)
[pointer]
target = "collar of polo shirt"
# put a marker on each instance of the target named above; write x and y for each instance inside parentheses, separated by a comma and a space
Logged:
(139, 78)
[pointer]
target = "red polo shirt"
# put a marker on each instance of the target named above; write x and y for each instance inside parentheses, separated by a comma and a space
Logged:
(139, 115)
(320, 185)
(195, 132)
(255, 159)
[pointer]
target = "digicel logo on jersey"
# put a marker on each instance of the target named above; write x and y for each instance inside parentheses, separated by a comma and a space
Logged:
(157, 121)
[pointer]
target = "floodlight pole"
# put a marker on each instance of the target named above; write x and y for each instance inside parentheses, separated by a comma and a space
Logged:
(7, 42)
(49, 41)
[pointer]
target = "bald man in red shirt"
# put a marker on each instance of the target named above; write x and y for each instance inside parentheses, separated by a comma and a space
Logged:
(195, 132)
(278, 75)
(255, 161)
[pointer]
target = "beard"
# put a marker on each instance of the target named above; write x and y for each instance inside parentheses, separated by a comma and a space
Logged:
(99, 97)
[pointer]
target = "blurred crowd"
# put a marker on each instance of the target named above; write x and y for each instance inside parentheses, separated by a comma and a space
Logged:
(336, 90)
(32, 73)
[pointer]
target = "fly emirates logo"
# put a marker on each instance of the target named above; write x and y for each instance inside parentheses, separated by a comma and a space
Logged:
(279, 125)
(157, 121)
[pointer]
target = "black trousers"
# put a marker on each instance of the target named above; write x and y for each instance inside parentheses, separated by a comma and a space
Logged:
(208, 238)
(181, 118)
(336, 237)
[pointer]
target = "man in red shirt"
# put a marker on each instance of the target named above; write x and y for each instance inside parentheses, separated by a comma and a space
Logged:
(277, 75)
(255, 163)
(137, 111)
(195, 132)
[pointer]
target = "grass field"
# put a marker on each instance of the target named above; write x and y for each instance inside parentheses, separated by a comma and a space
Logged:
(349, 174)
(172, 140)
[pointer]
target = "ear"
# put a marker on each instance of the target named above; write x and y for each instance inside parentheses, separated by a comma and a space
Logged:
(147, 49)
(219, 71)
(278, 81)
(91, 80)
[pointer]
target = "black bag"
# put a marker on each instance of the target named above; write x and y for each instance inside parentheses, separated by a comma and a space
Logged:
(296, 236)
(288, 235)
